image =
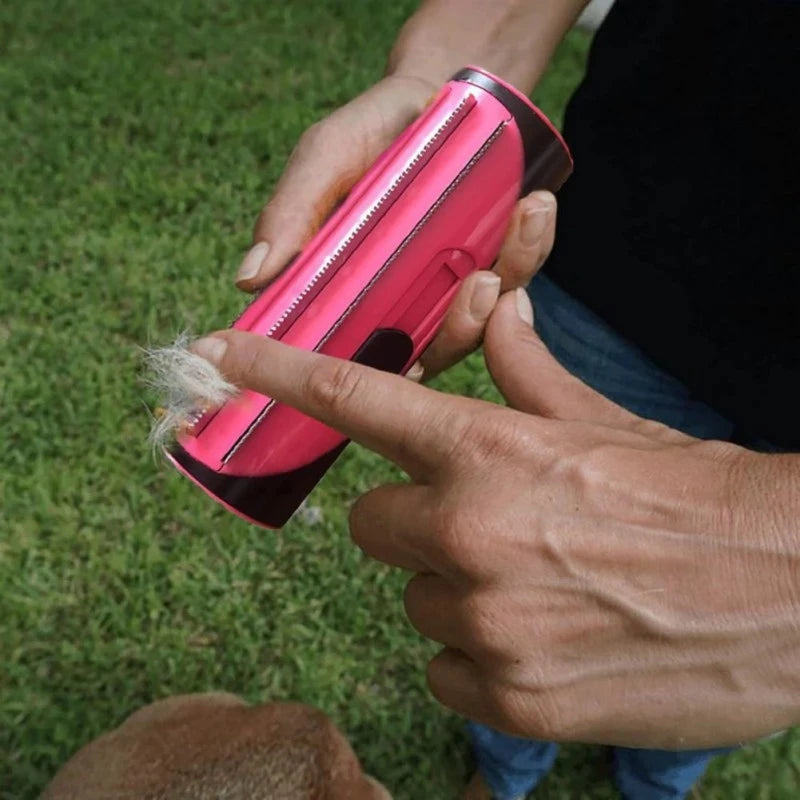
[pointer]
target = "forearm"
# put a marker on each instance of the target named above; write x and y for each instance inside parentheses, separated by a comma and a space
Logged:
(515, 39)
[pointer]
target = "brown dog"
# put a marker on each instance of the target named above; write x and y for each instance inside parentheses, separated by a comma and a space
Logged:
(210, 746)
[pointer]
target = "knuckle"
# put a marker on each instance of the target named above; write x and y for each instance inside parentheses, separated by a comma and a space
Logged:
(261, 228)
(528, 712)
(443, 421)
(276, 211)
(519, 266)
(459, 330)
(540, 672)
(332, 384)
(488, 436)
(507, 705)
(481, 624)
(586, 471)
(458, 538)
(469, 433)
(271, 208)
(248, 365)
(650, 427)
(598, 466)
(657, 430)
(547, 718)
(449, 530)
(312, 138)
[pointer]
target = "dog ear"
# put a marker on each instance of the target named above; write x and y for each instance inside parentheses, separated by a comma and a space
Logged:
(195, 747)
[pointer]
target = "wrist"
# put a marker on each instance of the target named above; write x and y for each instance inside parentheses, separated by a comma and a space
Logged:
(424, 66)
(514, 39)
(417, 89)
(433, 69)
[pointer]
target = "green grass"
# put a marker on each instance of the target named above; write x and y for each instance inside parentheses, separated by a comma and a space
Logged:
(138, 142)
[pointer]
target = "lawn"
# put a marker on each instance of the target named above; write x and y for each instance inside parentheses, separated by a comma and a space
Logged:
(138, 142)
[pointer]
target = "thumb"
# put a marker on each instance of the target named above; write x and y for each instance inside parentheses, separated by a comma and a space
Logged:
(309, 189)
(325, 165)
(531, 379)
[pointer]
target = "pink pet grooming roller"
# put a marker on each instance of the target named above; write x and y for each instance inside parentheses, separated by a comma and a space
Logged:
(374, 284)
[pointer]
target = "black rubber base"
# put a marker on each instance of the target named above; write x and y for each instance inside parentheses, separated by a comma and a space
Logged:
(547, 162)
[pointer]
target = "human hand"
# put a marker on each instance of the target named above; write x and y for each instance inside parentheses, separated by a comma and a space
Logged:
(592, 575)
(328, 160)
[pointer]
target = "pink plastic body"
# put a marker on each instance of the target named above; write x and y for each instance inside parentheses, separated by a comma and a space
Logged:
(433, 208)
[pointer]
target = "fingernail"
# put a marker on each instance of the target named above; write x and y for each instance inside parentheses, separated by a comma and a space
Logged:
(524, 307)
(251, 263)
(416, 372)
(534, 221)
(210, 348)
(484, 296)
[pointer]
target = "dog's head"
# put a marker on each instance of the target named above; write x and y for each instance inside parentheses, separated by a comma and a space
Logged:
(208, 746)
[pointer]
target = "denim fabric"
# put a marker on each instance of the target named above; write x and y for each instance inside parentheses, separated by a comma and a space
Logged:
(590, 349)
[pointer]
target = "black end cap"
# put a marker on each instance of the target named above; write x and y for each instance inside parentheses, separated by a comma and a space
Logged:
(548, 163)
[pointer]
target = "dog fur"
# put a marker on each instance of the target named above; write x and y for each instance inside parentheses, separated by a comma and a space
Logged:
(215, 746)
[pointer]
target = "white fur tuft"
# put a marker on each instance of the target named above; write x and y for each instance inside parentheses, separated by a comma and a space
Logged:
(187, 384)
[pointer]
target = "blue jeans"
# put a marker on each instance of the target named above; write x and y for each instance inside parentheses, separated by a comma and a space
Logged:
(604, 360)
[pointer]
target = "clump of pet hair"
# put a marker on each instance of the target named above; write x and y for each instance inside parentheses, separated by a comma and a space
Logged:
(187, 384)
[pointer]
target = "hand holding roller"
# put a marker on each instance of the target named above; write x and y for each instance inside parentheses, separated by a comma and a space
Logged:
(375, 282)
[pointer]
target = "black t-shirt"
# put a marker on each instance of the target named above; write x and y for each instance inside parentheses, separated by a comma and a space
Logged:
(681, 223)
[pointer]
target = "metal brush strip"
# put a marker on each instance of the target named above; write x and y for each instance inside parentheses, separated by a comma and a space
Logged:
(428, 214)
(378, 208)
(392, 258)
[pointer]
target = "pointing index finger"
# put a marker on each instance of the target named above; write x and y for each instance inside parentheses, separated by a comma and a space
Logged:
(412, 425)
